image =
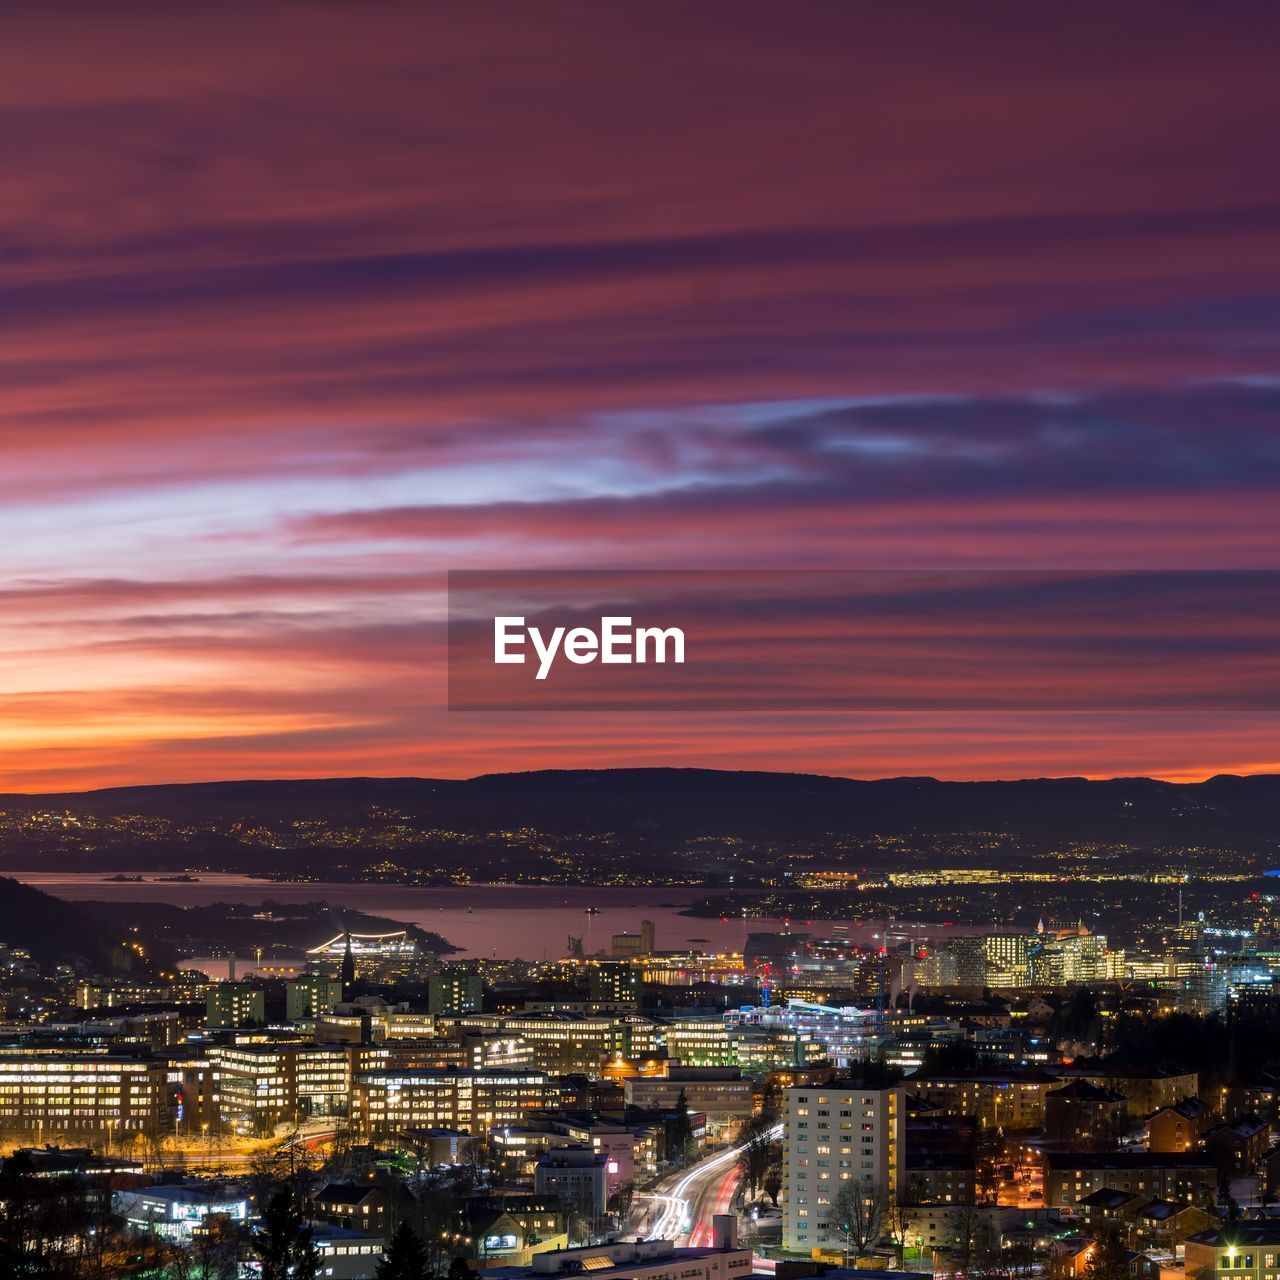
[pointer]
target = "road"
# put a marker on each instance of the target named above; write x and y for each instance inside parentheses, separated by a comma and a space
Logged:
(688, 1201)
(212, 1153)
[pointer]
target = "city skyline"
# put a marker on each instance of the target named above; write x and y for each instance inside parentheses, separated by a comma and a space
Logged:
(639, 641)
(305, 311)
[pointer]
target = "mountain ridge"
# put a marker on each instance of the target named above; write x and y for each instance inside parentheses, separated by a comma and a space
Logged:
(688, 802)
(375, 780)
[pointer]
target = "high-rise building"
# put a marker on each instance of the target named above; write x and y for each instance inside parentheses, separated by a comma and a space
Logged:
(1006, 959)
(614, 982)
(1070, 956)
(453, 993)
(311, 995)
(235, 1004)
(836, 1133)
(990, 960)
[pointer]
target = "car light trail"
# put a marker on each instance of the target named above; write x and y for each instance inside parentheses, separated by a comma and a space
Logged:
(675, 1218)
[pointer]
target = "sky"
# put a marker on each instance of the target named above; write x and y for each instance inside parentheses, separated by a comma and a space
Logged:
(306, 305)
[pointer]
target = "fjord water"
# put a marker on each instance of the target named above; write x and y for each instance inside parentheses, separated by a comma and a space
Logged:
(529, 922)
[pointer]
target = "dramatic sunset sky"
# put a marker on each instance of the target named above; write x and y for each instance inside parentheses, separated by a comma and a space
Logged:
(305, 305)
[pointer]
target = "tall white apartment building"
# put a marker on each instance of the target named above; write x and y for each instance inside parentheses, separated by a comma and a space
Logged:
(837, 1133)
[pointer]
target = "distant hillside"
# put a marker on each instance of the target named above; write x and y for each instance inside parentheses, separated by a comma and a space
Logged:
(57, 932)
(617, 820)
(331, 798)
(691, 802)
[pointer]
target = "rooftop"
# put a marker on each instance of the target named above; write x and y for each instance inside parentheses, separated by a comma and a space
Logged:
(1122, 1160)
(1239, 1234)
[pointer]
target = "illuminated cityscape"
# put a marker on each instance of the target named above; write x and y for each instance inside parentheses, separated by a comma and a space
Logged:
(640, 641)
(907, 1094)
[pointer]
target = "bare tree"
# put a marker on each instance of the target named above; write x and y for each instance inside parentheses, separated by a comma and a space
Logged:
(213, 1253)
(755, 1154)
(964, 1222)
(620, 1202)
(288, 1164)
(437, 1218)
(773, 1178)
(857, 1212)
(898, 1221)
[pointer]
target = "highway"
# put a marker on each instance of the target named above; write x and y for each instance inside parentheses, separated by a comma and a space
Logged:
(687, 1202)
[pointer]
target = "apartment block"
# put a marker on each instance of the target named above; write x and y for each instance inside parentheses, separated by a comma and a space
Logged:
(837, 1133)
(235, 1004)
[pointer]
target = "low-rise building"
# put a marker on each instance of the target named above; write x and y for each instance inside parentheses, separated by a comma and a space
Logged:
(1253, 1096)
(1237, 1147)
(939, 1178)
(1071, 1176)
(720, 1092)
(997, 1100)
(1084, 1115)
(346, 1254)
(1178, 1127)
(372, 1208)
(638, 1260)
(1145, 1089)
(1241, 1251)
(509, 1228)
(578, 1175)
(175, 1212)
(559, 1044)
(1162, 1224)
(81, 1093)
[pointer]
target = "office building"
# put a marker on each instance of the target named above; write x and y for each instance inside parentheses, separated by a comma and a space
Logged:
(846, 1034)
(384, 1103)
(258, 1085)
(720, 1093)
(74, 1093)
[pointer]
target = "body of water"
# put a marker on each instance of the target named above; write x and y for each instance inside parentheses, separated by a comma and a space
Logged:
(529, 922)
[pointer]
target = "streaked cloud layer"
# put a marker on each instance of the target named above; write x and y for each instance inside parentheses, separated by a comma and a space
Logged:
(307, 304)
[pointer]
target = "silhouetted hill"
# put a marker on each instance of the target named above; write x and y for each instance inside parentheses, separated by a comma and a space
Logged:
(57, 932)
(267, 799)
(683, 804)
